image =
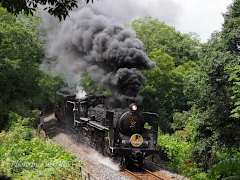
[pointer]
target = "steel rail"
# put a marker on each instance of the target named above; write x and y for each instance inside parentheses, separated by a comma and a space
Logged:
(136, 175)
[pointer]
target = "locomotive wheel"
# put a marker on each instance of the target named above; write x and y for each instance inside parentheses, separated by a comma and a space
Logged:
(140, 163)
(97, 146)
(105, 150)
(58, 120)
(92, 144)
(95, 143)
(124, 161)
(76, 135)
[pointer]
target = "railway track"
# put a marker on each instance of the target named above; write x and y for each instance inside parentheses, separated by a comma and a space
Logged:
(145, 174)
(139, 173)
(152, 168)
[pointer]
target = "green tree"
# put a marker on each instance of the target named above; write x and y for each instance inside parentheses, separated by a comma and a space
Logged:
(20, 53)
(234, 71)
(90, 86)
(22, 86)
(155, 34)
(218, 99)
(231, 31)
(57, 8)
(163, 92)
(215, 93)
(176, 55)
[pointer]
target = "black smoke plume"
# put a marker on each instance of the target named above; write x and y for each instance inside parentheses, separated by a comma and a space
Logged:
(90, 41)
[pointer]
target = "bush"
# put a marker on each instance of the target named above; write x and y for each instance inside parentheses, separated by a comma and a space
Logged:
(22, 156)
(179, 153)
(179, 150)
(36, 160)
(228, 167)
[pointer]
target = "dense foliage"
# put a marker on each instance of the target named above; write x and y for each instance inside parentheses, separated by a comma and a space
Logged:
(176, 55)
(163, 92)
(91, 87)
(213, 97)
(157, 35)
(57, 8)
(23, 85)
(22, 156)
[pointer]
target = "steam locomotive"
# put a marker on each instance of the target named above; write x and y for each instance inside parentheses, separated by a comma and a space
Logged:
(119, 132)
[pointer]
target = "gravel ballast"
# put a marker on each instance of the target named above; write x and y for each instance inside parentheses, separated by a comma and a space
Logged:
(103, 168)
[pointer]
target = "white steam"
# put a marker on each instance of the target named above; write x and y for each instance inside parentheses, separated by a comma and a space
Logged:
(80, 93)
(105, 161)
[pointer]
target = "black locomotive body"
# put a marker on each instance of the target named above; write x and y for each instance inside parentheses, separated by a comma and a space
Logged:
(122, 133)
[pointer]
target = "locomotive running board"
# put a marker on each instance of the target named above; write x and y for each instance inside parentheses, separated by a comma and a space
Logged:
(97, 125)
(84, 119)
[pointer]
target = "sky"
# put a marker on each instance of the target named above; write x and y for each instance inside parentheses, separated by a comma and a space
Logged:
(200, 16)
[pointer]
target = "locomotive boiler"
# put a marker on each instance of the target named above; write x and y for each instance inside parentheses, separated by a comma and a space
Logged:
(105, 123)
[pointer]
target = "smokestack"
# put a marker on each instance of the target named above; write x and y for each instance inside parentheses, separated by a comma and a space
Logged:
(90, 41)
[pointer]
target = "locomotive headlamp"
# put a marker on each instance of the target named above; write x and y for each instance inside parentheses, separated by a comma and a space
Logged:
(133, 107)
